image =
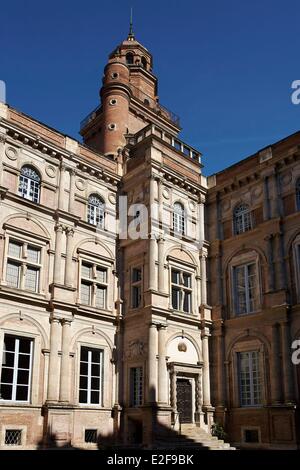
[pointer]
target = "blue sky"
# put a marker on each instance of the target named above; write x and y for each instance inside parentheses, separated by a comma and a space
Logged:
(225, 67)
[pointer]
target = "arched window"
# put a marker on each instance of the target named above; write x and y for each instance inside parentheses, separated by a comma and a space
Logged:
(129, 58)
(29, 183)
(178, 218)
(242, 219)
(96, 211)
(298, 194)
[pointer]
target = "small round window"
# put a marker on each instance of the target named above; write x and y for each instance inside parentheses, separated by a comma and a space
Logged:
(112, 126)
(114, 75)
(113, 102)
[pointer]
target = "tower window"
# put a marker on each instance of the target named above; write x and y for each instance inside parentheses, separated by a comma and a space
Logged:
(112, 126)
(113, 102)
(144, 63)
(129, 58)
(146, 102)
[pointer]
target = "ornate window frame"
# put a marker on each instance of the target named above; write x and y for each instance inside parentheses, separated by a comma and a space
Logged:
(32, 240)
(247, 345)
(243, 259)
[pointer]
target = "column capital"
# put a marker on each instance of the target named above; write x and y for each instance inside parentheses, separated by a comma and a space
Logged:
(161, 326)
(71, 170)
(54, 320)
(3, 138)
(203, 252)
(59, 228)
(69, 231)
(66, 321)
(202, 198)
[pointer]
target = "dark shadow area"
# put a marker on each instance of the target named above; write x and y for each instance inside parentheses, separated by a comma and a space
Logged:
(143, 430)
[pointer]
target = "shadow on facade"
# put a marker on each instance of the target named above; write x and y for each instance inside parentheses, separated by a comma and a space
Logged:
(142, 430)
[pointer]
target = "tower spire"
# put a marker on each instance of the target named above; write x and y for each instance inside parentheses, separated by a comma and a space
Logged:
(131, 33)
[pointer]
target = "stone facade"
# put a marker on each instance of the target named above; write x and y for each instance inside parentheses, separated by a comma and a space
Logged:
(267, 186)
(59, 261)
(106, 337)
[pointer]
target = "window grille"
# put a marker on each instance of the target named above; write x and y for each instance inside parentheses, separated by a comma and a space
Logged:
(13, 437)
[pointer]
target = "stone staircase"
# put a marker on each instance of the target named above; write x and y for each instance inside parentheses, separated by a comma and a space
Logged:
(191, 437)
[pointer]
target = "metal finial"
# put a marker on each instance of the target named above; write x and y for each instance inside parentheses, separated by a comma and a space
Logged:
(131, 33)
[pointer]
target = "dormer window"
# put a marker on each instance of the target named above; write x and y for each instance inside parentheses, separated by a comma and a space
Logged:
(129, 58)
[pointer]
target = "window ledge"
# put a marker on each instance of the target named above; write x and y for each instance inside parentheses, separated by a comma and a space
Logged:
(23, 293)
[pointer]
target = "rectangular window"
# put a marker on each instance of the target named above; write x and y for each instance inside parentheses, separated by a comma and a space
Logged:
(181, 290)
(16, 368)
(23, 266)
(249, 378)
(91, 376)
(136, 287)
(136, 386)
(93, 287)
(245, 288)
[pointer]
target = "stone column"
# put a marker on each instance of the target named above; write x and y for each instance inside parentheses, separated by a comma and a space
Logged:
(206, 378)
(64, 390)
(201, 218)
(160, 200)
(72, 190)
(53, 373)
(275, 367)
(57, 256)
(69, 263)
(61, 188)
(152, 363)
(203, 256)
(161, 265)
(154, 208)
(152, 259)
(288, 378)
(162, 366)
